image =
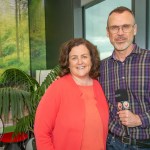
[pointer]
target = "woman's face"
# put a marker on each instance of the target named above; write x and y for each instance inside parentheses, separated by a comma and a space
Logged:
(80, 61)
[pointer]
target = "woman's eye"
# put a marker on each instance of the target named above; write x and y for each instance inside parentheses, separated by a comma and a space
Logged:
(84, 56)
(74, 58)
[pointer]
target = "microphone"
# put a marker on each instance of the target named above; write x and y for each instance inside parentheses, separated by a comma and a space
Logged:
(121, 97)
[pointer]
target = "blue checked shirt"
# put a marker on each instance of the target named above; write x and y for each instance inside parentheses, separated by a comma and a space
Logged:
(134, 75)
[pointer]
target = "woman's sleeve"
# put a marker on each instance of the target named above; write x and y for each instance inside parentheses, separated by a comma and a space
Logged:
(45, 119)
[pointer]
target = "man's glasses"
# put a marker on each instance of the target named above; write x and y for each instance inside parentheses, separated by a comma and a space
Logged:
(126, 28)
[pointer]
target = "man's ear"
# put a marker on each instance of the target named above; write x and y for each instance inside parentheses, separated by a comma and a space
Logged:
(135, 29)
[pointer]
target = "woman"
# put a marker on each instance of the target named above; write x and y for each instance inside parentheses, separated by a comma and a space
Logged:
(73, 113)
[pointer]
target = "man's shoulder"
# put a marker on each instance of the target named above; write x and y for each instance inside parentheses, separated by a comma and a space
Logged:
(144, 53)
(143, 50)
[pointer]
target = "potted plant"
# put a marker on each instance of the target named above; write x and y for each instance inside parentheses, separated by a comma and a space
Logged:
(18, 92)
(26, 123)
(16, 88)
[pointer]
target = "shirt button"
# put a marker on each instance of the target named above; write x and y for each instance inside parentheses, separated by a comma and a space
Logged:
(123, 77)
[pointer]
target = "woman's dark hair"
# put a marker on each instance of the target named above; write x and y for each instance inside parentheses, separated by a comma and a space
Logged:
(64, 56)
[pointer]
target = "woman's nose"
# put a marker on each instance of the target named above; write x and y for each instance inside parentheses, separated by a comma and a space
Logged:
(80, 61)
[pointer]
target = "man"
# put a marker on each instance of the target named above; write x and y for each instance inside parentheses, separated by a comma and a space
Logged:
(129, 69)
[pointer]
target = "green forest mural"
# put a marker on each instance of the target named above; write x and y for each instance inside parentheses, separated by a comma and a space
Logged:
(37, 35)
(22, 35)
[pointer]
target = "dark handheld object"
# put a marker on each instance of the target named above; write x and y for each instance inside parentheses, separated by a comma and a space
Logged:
(121, 97)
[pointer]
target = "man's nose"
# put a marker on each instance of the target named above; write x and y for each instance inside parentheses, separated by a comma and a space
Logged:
(120, 30)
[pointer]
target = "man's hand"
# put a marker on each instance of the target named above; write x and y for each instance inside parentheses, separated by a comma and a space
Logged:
(129, 119)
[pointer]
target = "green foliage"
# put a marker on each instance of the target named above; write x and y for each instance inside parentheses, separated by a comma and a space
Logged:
(19, 91)
(16, 62)
(41, 90)
(26, 124)
(16, 88)
(8, 50)
(14, 35)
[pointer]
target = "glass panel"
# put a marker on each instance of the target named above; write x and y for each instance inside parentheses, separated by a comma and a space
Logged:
(95, 24)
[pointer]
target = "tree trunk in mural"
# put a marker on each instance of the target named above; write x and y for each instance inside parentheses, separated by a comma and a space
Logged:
(37, 35)
(0, 40)
(17, 28)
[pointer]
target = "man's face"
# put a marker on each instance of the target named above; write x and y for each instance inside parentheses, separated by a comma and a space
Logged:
(121, 30)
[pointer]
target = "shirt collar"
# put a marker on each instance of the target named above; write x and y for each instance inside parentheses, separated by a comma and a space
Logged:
(135, 50)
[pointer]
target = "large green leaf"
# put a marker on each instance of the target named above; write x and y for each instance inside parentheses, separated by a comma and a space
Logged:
(16, 88)
(17, 78)
(26, 123)
(19, 91)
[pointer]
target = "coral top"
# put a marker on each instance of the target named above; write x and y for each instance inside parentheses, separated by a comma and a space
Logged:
(60, 116)
(93, 128)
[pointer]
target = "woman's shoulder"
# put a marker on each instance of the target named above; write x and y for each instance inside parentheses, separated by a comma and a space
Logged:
(60, 82)
(97, 84)
(62, 79)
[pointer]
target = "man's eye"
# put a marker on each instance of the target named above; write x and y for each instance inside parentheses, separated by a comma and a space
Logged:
(114, 28)
(126, 26)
